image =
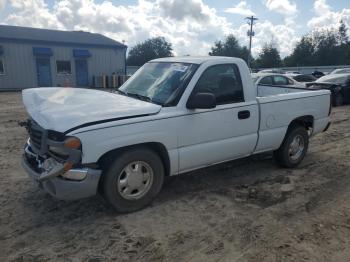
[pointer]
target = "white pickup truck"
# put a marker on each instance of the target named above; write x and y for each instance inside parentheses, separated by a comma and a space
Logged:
(174, 115)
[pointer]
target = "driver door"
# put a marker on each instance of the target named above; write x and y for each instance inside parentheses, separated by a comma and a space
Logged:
(225, 132)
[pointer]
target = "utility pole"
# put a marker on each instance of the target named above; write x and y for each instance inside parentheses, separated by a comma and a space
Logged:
(250, 33)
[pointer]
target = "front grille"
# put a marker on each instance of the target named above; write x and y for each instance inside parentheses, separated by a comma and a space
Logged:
(36, 134)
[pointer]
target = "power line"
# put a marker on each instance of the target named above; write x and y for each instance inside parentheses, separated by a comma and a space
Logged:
(250, 33)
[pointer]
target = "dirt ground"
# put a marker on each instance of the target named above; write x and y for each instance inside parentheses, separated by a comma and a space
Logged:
(246, 210)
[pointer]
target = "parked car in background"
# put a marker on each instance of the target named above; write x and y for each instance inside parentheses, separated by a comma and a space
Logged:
(338, 84)
(275, 80)
(304, 78)
(272, 70)
(318, 74)
(292, 73)
(340, 71)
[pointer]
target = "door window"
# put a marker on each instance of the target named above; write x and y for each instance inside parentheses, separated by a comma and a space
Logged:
(280, 80)
(224, 82)
(266, 81)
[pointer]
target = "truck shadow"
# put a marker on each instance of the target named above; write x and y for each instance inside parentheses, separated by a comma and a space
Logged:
(244, 180)
(219, 178)
(233, 179)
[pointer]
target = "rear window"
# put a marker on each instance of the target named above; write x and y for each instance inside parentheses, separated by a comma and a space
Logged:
(305, 78)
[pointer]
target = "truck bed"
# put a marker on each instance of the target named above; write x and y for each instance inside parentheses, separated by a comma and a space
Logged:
(280, 105)
(266, 90)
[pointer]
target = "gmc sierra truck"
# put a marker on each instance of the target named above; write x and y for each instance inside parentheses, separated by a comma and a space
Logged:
(172, 116)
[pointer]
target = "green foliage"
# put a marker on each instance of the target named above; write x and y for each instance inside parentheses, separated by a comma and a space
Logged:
(303, 53)
(321, 48)
(229, 47)
(342, 31)
(150, 49)
(268, 57)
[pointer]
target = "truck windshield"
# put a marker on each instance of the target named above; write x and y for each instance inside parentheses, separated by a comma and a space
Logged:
(159, 82)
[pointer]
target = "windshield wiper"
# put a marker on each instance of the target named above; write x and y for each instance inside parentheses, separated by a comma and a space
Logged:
(121, 92)
(138, 96)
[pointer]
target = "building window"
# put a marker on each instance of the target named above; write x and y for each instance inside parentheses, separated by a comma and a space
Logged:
(63, 67)
(2, 69)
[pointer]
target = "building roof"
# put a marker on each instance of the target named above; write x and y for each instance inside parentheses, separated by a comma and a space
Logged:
(28, 34)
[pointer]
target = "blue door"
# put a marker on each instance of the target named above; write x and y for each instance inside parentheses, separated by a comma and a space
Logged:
(43, 71)
(81, 71)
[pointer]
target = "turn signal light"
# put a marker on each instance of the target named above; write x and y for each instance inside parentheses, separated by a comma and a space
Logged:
(67, 166)
(72, 142)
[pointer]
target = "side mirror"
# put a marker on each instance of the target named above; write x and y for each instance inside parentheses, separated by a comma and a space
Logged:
(202, 101)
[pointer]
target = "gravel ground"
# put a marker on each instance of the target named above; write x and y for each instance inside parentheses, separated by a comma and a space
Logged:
(246, 210)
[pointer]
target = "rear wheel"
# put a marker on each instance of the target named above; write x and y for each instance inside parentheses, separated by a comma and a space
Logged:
(338, 100)
(294, 147)
(133, 180)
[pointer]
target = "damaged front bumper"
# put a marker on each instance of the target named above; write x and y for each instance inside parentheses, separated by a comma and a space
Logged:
(50, 175)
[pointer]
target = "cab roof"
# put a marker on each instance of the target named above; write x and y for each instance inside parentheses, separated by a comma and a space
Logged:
(196, 59)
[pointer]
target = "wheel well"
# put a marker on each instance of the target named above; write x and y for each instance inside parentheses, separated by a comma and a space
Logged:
(158, 148)
(305, 121)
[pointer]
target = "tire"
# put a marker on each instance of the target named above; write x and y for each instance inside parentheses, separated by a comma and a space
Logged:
(123, 176)
(289, 155)
(338, 100)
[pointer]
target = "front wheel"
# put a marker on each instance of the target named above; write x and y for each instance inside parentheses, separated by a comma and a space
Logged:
(133, 180)
(294, 147)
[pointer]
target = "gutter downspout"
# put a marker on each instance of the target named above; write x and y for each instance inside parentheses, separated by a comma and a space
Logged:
(126, 48)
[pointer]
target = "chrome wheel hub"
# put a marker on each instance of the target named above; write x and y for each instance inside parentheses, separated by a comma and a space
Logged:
(135, 180)
(296, 148)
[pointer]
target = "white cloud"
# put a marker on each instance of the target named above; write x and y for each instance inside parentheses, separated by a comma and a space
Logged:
(242, 8)
(32, 13)
(184, 9)
(321, 7)
(325, 18)
(190, 25)
(2, 4)
(282, 36)
(284, 7)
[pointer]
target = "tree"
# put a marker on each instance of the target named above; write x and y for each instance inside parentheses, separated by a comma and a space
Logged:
(344, 43)
(303, 53)
(321, 48)
(268, 57)
(343, 33)
(150, 49)
(327, 51)
(229, 47)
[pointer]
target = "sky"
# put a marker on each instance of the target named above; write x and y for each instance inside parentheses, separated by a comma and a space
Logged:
(192, 26)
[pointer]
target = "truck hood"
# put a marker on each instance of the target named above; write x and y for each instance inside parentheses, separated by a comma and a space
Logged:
(62, 109)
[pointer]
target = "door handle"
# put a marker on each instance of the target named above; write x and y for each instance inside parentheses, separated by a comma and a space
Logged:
(243, 114)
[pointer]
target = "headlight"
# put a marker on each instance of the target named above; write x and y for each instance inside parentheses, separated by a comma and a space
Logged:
(69, 143)
(58, 150)
(72, 143)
